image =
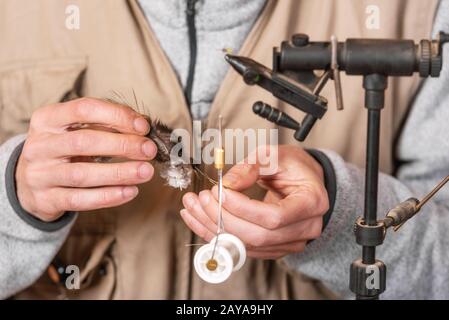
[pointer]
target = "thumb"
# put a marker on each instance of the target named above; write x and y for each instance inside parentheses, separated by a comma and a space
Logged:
(241, 176)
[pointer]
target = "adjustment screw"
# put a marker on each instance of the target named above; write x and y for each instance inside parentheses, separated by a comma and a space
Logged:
(300, 40)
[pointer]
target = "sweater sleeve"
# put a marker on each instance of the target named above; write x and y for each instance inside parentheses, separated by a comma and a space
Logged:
(416, 256)
(27, 245)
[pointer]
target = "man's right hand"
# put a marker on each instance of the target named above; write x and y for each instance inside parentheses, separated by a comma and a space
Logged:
(51, 178)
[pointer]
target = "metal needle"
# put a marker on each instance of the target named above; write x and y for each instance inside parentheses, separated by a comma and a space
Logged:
(219, 167)
(432, 193)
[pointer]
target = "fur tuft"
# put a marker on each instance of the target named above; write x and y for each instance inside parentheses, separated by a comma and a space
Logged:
(177, 174)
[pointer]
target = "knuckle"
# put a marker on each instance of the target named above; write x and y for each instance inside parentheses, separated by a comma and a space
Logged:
(315, 230)
(75, 176)
(132, 146)
(103, 197)
(38, 117)
(275, 220)
(124, 146)
(317, 200)
(118, 115)
(82, 107)
(117, 174)
(41, 115)
(323, 203)
(32, 201)
(259, 239)
(78, 141)
(47, 212)
(38, 146)
(29, 176)
(39, 197)
(246, 167)
(31, 149)
(73, 201)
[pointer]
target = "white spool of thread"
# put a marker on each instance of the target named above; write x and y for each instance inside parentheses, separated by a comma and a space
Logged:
(229, 255)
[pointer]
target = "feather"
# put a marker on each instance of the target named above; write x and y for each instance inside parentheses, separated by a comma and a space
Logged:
(176, 173)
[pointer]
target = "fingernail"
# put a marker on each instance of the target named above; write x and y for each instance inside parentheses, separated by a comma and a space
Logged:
(145, 170)
(190, 202)
(183, 212)
(229, 180)
(141, 125)
(204, 198)
(129, 192)
(149, 149)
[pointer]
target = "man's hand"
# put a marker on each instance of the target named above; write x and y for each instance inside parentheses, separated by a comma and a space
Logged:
(289, 216)
(53, 174)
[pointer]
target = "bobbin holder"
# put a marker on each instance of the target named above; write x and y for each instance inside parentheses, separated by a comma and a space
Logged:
(294, 80)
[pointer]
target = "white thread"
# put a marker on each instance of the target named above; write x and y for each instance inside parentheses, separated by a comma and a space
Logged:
(230, 256)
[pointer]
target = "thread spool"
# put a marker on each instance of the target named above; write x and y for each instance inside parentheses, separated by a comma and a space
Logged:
(229, 256)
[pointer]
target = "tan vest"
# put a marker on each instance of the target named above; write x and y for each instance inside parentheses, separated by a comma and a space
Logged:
(138, 250)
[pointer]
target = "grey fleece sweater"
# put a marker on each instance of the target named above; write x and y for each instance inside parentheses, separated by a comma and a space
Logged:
(416, 256)
(217, 29)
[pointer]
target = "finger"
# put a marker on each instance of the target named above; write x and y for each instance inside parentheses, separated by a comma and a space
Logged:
(92, 199)
(201, 217)
(301, 205)
(255, 235)
(95, 143)
(246, 173)
(263, 214)
(87, 175)
(199, 229)
(93, 111)
(242, 229)
(192, 204)
(241, 176)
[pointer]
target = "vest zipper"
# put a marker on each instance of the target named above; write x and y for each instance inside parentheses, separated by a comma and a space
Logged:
(190, 15)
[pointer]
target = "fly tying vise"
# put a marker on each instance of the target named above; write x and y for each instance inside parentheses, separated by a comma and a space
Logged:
(215, 261)
(300, 70)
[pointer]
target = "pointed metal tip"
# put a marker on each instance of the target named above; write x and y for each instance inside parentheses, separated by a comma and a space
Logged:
(237, 62)
(228, 57)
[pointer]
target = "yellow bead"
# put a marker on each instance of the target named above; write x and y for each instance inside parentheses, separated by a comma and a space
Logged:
(219, 158)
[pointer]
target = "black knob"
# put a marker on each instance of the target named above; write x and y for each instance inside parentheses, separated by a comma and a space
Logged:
(274, 115)
(251, 77)
(424, 58)
(300, 40)
(436, 64)
(362, 281)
